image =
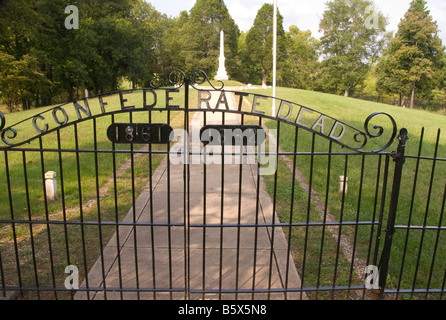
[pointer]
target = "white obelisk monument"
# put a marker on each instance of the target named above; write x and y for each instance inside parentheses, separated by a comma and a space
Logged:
(221, 73)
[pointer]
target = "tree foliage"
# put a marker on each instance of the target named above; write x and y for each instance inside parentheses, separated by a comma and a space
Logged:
(350, 43)
(299, 69)
(20, 80)
(115, 39)
(414, 60)
(259, 41)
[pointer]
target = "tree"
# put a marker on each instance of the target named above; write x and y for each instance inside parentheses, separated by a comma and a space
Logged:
(247, 70)
(415, 57)
(21, 77)
(145, 35)
(116, 39)
(259, 40)
(20, 80)
(170, 50)
(353, 37)
(16, 36)
(300, 67)
(201, 37)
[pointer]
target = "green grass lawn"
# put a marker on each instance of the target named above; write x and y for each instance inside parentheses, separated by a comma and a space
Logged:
(359, 204)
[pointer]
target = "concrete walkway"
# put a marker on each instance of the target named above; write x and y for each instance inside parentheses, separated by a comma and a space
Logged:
(182, 256)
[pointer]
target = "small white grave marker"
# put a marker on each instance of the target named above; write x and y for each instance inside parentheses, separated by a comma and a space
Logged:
(51, 185)
(343, 189)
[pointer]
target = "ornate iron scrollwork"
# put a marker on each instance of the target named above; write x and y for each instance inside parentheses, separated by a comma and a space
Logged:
(179, 78)
(173, 78)
(2, 121)
(380, 130)
(10, 137)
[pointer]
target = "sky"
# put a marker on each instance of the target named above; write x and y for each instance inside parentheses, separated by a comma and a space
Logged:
(305, 14)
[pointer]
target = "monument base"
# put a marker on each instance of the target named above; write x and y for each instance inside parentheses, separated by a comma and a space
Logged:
(221, 78)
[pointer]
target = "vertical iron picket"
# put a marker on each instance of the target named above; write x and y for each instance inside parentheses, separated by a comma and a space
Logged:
(411, 209)
(399, 158)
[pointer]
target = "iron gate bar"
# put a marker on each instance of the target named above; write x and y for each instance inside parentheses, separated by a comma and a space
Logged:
(101, 249)
(427, 209)
(81, 214)
(8, 181)
(444, 284)
(62, 188)
(327, 188)
(186, 193)
(413, 291)
(356, 225)
(375, 208)
(341, 219)
(273, 214)
(425, 158)
(28, 208)
(169, 231)
(398, 157)
(151, 208)
(437, 238)
(256, 217)
(221, 209)
(209, 291)
(438, 228)
(209, 225)
(308, 211)
(239, 213)
(203, 277)
(193, 153)
(293, 184)
(115, 194)
(2, 276)
(50, 246)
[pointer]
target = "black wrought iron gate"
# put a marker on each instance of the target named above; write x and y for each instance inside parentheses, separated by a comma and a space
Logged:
(185, 190)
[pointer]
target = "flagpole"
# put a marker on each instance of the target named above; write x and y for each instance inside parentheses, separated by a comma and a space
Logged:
(274, 57)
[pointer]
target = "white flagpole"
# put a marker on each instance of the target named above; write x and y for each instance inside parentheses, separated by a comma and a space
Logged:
(274, 57)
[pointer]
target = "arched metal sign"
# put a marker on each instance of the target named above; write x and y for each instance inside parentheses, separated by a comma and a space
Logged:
(169, 85)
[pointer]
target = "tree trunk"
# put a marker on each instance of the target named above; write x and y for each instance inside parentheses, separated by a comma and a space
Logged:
(264, 79)
(347, 93)
(412, 99)
(403, 102)
(70, 94)
(37, 100)
(26, 105)
(114, 83)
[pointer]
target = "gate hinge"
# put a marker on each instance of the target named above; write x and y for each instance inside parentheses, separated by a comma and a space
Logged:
(395, 156)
